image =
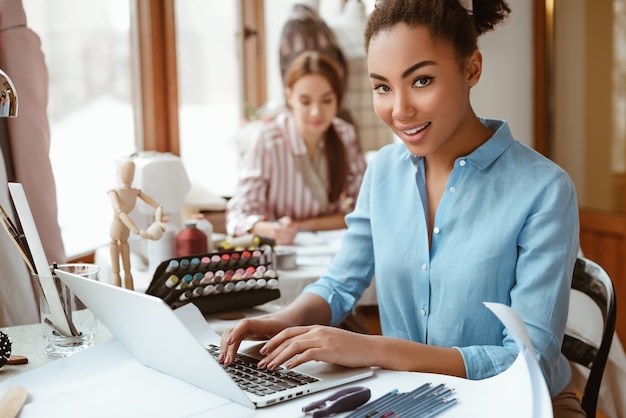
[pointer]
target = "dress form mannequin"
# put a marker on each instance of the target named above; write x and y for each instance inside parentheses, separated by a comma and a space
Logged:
(123, 200)
(348, 29)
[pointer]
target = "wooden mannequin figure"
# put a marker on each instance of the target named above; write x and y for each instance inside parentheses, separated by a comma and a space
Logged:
(123, 200)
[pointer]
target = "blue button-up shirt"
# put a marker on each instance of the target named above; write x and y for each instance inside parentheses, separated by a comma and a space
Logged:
(506, 230)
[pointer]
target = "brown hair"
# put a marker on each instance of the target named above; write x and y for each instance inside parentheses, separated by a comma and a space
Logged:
(446, 20)
(313, 62)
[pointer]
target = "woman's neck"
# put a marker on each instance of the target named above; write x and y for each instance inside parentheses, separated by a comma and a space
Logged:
(312, 144)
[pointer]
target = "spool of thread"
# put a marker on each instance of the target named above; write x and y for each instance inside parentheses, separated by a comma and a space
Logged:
(190, 240)
(205, 226)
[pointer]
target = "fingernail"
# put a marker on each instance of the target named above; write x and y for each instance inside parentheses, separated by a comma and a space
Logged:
(263, 349)
(261, 364)
(227, 361)
(270, 366)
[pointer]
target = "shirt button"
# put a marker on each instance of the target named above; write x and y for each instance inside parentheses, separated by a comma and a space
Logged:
(423, 312)
(452, 189)
(462, 163)
(436, 230)
(424, 266)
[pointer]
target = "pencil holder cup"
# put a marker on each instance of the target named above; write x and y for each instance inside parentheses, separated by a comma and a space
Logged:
(66, 323)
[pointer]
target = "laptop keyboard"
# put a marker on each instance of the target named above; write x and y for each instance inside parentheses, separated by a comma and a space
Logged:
(261, 382)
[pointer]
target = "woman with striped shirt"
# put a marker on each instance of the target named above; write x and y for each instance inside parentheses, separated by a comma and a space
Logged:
(304, 168)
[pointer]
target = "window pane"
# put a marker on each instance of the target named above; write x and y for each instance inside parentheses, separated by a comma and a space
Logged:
(210, 94)
(87, 48)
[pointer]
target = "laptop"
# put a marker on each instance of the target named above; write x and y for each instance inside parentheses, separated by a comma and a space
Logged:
(158, 338)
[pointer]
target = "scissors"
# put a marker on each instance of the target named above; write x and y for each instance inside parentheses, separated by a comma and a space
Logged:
(343, 400)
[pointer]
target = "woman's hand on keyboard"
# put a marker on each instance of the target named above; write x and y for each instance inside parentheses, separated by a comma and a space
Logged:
(297, 345)
(261, 328)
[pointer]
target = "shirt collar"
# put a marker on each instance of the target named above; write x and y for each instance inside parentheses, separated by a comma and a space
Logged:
(488, 152)
(287, 122)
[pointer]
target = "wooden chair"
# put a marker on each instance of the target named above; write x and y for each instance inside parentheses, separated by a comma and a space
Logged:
(590, 326)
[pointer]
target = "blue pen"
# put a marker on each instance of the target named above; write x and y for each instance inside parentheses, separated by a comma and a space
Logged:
(400, 397)
(447, 404)
(370, 406)
(411, 398)
(420, 407)
(425, 401)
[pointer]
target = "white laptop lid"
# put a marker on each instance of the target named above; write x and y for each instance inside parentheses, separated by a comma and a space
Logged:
(157, 337)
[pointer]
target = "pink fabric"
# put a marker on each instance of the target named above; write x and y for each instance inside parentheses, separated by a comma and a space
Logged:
(22, 59)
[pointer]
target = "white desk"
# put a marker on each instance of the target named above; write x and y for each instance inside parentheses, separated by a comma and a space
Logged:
(105, 381)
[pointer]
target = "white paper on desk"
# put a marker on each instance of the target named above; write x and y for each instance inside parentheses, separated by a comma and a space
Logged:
(315, 248)
(542, 404)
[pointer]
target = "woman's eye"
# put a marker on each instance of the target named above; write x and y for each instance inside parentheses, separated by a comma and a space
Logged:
(423, 81)
(382, 89)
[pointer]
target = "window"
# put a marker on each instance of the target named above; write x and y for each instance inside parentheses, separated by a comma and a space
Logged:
(111, 64)
(209, 90)
(90, 108)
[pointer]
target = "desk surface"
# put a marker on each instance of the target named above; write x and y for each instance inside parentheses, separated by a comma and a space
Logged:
(130, 387)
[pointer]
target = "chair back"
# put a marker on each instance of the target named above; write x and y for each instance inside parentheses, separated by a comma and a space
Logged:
(590, 326)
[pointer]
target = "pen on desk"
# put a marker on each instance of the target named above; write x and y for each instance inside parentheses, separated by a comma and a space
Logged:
(370, 408)
(419, 405)
(420, 400)
(447, 404)
(393, 398)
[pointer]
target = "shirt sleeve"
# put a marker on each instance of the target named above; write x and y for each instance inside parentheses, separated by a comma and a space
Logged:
(249, 204)
(547, 249)
(352, 268)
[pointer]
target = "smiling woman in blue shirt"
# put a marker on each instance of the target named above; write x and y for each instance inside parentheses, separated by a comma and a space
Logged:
(457, 214)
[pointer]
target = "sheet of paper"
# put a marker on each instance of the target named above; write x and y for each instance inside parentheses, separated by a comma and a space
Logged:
(39, 257)
(541, 396)
(315, 248)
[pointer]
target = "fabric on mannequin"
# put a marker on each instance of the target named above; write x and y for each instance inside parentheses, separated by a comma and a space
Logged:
(22, 59)
(348, 29)
(17, 299)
